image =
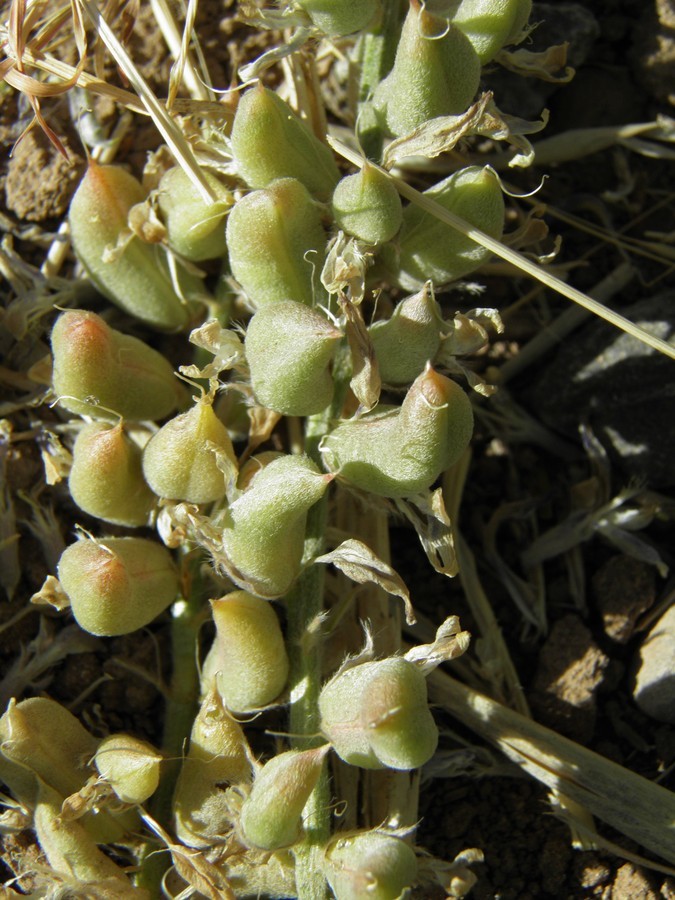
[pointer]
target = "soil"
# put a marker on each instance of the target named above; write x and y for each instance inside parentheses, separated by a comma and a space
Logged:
(577, 666)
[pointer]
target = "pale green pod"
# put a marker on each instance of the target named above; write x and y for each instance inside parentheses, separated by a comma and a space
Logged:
(376, 715)
(138, 280)
(436, 73)
(397, 452)
(409, 339)
(248, 660)
(122, 376)
(263, 531)
(368, 206)
(430, 250)
(289, 348)
(195, 229)
(492, 24)
(339, 17)
(276, 244)
(369, 865)
(117, 585)
(180, 461)
(130, 766)
(106, 478)
(271, 816)
(270, 141)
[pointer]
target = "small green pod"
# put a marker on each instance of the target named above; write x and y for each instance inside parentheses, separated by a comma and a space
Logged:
(368, 206)
(369, 865)
(263, 531)
(285, 259)
(339, 17)
(396, 452)
(436, 73)
(376, 715)
(195, 229)
(271, 815)
(124, 377)
(270, 141)
(248, 660)
(130, 766)
(117, 585)
(289, 348)
(492, 24)
(106, 478)
(180, 461)
(138, 280)
(430, 250)
(407, 341)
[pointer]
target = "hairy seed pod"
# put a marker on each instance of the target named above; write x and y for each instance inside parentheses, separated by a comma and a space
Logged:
(117, 585)
(436, 73)
(339, 17)
(492, 24)
(289, 348)
(397, 452)
(271, 814)
(106, 478)
(430, 250)
(130, 766)
(376, 715)
(122, 376)
(284, 260)
(138, 279)
(369, 865)
(270, 141)
(180, 461)
(196, 229)
(368, 206)
(248, 660)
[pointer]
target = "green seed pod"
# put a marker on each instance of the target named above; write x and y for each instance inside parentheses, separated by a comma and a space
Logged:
(95, 362)
(271, 816)
(285, 259)
(430, 250)
(436, 73)
(396, 452)
(409, 339)
(130, 766)
(106, 478)
(270, 141)
(492, 24)
(138, 279)
(376, 715)
(263, 531)
(368, 206)
(248, 659)
(339, 17)
(217, 756)
(117, 585)
(289, 348)
(196, 229)
(369, 866)
(180, 461)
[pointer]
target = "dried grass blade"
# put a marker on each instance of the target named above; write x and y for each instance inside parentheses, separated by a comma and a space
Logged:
(183, 69)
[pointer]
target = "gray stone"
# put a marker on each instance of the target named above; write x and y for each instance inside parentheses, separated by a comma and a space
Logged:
(654, 690)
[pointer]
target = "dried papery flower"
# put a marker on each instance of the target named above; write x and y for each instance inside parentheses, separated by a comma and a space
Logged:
(368, 206)
(289, 348)
(106, 478)
(117, 585)
(492, 24)
(270, 141)
(369, 865)
(435, 73)
(130, 766)
(271, 816)
(276, 244)
(340, 17)
(248, 661)
(376, 715)
(185, 459)
(400, 451)
(196, 230)
(133, 275)
(118, 374)
(409, 339)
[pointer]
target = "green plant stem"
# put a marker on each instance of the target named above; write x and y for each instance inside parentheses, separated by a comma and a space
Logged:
(378, 51)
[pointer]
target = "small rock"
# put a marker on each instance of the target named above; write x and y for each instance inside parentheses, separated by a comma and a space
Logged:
(40, 182)
(630, 883)
(654, 49)
(654, 690)
(624, 588)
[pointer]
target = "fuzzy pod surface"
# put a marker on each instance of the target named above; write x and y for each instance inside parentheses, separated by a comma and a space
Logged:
(492, 24)
(130, 766)
(195, 229)
(368, 206)
(369, 866)
(339, 17)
